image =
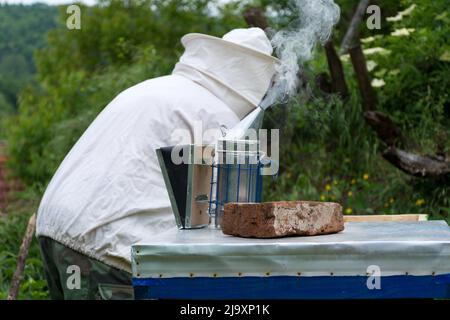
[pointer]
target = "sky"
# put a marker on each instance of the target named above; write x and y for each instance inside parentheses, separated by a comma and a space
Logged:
(48, 1)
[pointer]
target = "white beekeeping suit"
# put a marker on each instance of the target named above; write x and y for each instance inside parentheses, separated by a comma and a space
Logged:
(109, 192)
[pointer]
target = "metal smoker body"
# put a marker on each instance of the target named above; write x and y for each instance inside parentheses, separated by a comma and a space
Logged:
(198, 188)
(236, 175)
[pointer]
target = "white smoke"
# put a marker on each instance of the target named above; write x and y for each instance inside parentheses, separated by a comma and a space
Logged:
(295, 45)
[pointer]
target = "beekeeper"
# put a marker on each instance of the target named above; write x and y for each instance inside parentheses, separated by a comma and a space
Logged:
(109, 193)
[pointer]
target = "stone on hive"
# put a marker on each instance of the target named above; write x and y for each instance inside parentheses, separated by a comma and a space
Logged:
(284, 218)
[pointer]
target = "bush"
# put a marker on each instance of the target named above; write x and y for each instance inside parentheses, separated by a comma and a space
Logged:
(331, 154)
(12, 227)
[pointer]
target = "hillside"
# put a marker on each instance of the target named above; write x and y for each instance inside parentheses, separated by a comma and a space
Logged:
(23, 29)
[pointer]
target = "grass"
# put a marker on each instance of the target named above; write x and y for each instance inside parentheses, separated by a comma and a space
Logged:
(12, 227)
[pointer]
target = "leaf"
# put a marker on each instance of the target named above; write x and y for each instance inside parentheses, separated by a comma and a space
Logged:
(443, 17)
(445, 56)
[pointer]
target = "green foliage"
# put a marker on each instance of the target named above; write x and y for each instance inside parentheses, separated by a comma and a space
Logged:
(416, 72)
(416, 94)
(12, 227)
(326, 152)
(334, 149)
(114, 32)
(22, 31)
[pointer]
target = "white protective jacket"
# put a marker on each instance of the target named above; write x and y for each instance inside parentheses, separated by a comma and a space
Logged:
(109, 193)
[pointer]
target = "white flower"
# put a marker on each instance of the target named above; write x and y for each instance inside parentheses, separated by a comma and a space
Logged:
(377, 83)
(398, 17)
(371, 65)
(345, 57)
(368, 39)
(408, 10)
(402, 32)
(374, 50)
(401, 14)
(445, 56)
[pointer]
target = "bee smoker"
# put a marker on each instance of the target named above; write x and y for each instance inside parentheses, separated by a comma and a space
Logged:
(200, 187)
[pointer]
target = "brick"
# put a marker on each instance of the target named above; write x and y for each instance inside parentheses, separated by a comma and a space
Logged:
(284, 218)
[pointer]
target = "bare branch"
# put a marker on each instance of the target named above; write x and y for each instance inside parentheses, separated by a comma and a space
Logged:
(353, 30)
(23, 253)
(417, 165)
(255, 18)
(386, 129)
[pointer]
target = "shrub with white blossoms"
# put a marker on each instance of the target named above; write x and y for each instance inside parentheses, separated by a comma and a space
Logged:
(377, 83)
(401, 14)
(402, 32)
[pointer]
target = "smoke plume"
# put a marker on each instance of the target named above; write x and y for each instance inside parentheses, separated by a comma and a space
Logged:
(295, 45)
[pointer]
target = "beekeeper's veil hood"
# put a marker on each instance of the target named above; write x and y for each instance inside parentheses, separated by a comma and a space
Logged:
(237, 68)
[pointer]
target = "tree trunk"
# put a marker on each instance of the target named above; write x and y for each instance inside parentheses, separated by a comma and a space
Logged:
(255, 18)
(338, 84)
(353, 29)
(362, 74)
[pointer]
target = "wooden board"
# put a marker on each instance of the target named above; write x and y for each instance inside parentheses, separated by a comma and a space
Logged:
(386, 218)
